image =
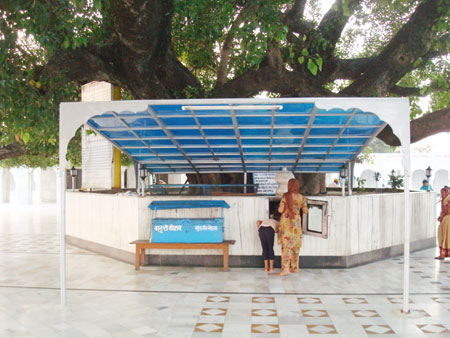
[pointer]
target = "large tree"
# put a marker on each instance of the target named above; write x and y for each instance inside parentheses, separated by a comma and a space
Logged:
(159, 49)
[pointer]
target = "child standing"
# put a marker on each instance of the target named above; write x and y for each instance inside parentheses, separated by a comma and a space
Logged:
(266, 230)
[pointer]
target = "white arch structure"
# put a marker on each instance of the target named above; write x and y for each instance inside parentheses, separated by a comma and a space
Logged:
(393, 111)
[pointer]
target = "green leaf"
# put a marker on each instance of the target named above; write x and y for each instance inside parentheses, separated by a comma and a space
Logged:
(319, 62)
(305, 52)
(301, 59)
(345, 9)
(66, 43)
(416, 63)
(98, 4)
(25, 138)
(312, 67)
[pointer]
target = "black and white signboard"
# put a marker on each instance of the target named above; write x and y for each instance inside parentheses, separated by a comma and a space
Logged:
(267, 184)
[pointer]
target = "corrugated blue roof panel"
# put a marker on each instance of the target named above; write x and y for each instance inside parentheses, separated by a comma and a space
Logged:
(240, 137)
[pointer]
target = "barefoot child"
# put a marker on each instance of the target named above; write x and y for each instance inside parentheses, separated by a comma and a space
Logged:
(266, 230)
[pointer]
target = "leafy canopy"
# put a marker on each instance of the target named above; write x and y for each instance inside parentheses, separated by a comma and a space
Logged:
(211, 48)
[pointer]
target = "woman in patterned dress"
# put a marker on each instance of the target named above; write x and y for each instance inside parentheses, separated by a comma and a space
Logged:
(290, 229)
(444, 226)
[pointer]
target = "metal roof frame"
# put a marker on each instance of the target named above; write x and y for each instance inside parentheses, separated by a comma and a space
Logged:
(238, 137)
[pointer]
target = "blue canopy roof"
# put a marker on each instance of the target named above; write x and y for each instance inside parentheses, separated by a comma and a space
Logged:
(262, 137)
(188, 204)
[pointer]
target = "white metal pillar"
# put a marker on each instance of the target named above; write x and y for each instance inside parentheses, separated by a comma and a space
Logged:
(406, 249)
(350, 178)
(62, 229)
(245, 182)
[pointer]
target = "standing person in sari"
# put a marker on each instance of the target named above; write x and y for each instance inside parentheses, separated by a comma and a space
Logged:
(290, 228)
(444, 226)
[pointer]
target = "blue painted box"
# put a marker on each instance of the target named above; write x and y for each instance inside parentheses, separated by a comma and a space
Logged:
(187, 230)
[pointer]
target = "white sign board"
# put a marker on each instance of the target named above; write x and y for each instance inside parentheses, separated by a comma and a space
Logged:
(267, 185)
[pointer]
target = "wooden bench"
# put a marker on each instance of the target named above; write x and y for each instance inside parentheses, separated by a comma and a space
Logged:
(141, 245)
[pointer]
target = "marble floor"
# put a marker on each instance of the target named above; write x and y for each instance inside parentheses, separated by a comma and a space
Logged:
(108, 298)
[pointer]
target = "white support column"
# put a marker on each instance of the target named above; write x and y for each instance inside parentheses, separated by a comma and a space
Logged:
(350, 178)
(62, 222)
(5, 186)
(245, 182)
(407, 169)
(29, 196)
(343, 186)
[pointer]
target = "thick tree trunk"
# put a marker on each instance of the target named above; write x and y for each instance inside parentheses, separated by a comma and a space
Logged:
(311, 184)
(232, 178)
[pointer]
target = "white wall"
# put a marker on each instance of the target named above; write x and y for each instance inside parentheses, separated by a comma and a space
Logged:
(369, 176)
(417, 178)
(28, 186)
(357, 223)
(386, 162)
(441, 179)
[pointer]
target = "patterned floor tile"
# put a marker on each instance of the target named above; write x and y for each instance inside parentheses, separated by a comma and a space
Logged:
(315, 313)
(378, 329)
(433, 328)
(265, 328)
(441, 300)
(398, 300)
(264, 312)
(263, 299)
(355, 300)
(418, 313)
(213, 312)
(218, 299)
(207, 302)
(321, 329)
(208, 327)
(365, 313)
(309, 300)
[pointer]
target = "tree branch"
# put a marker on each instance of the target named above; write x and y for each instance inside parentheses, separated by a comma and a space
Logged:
(84, 64)
(273, 77)
(297, 10)
(412, 41)
(293, 18)
(422, 127)
(10, 151)
(138, 56)
(430, 124)
(225, 52)
(350, 69)
(406, 91)
(444, 48)
(334, 21)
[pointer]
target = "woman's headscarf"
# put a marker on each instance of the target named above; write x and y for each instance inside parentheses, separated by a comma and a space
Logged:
(293, 188)
(445, 191)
